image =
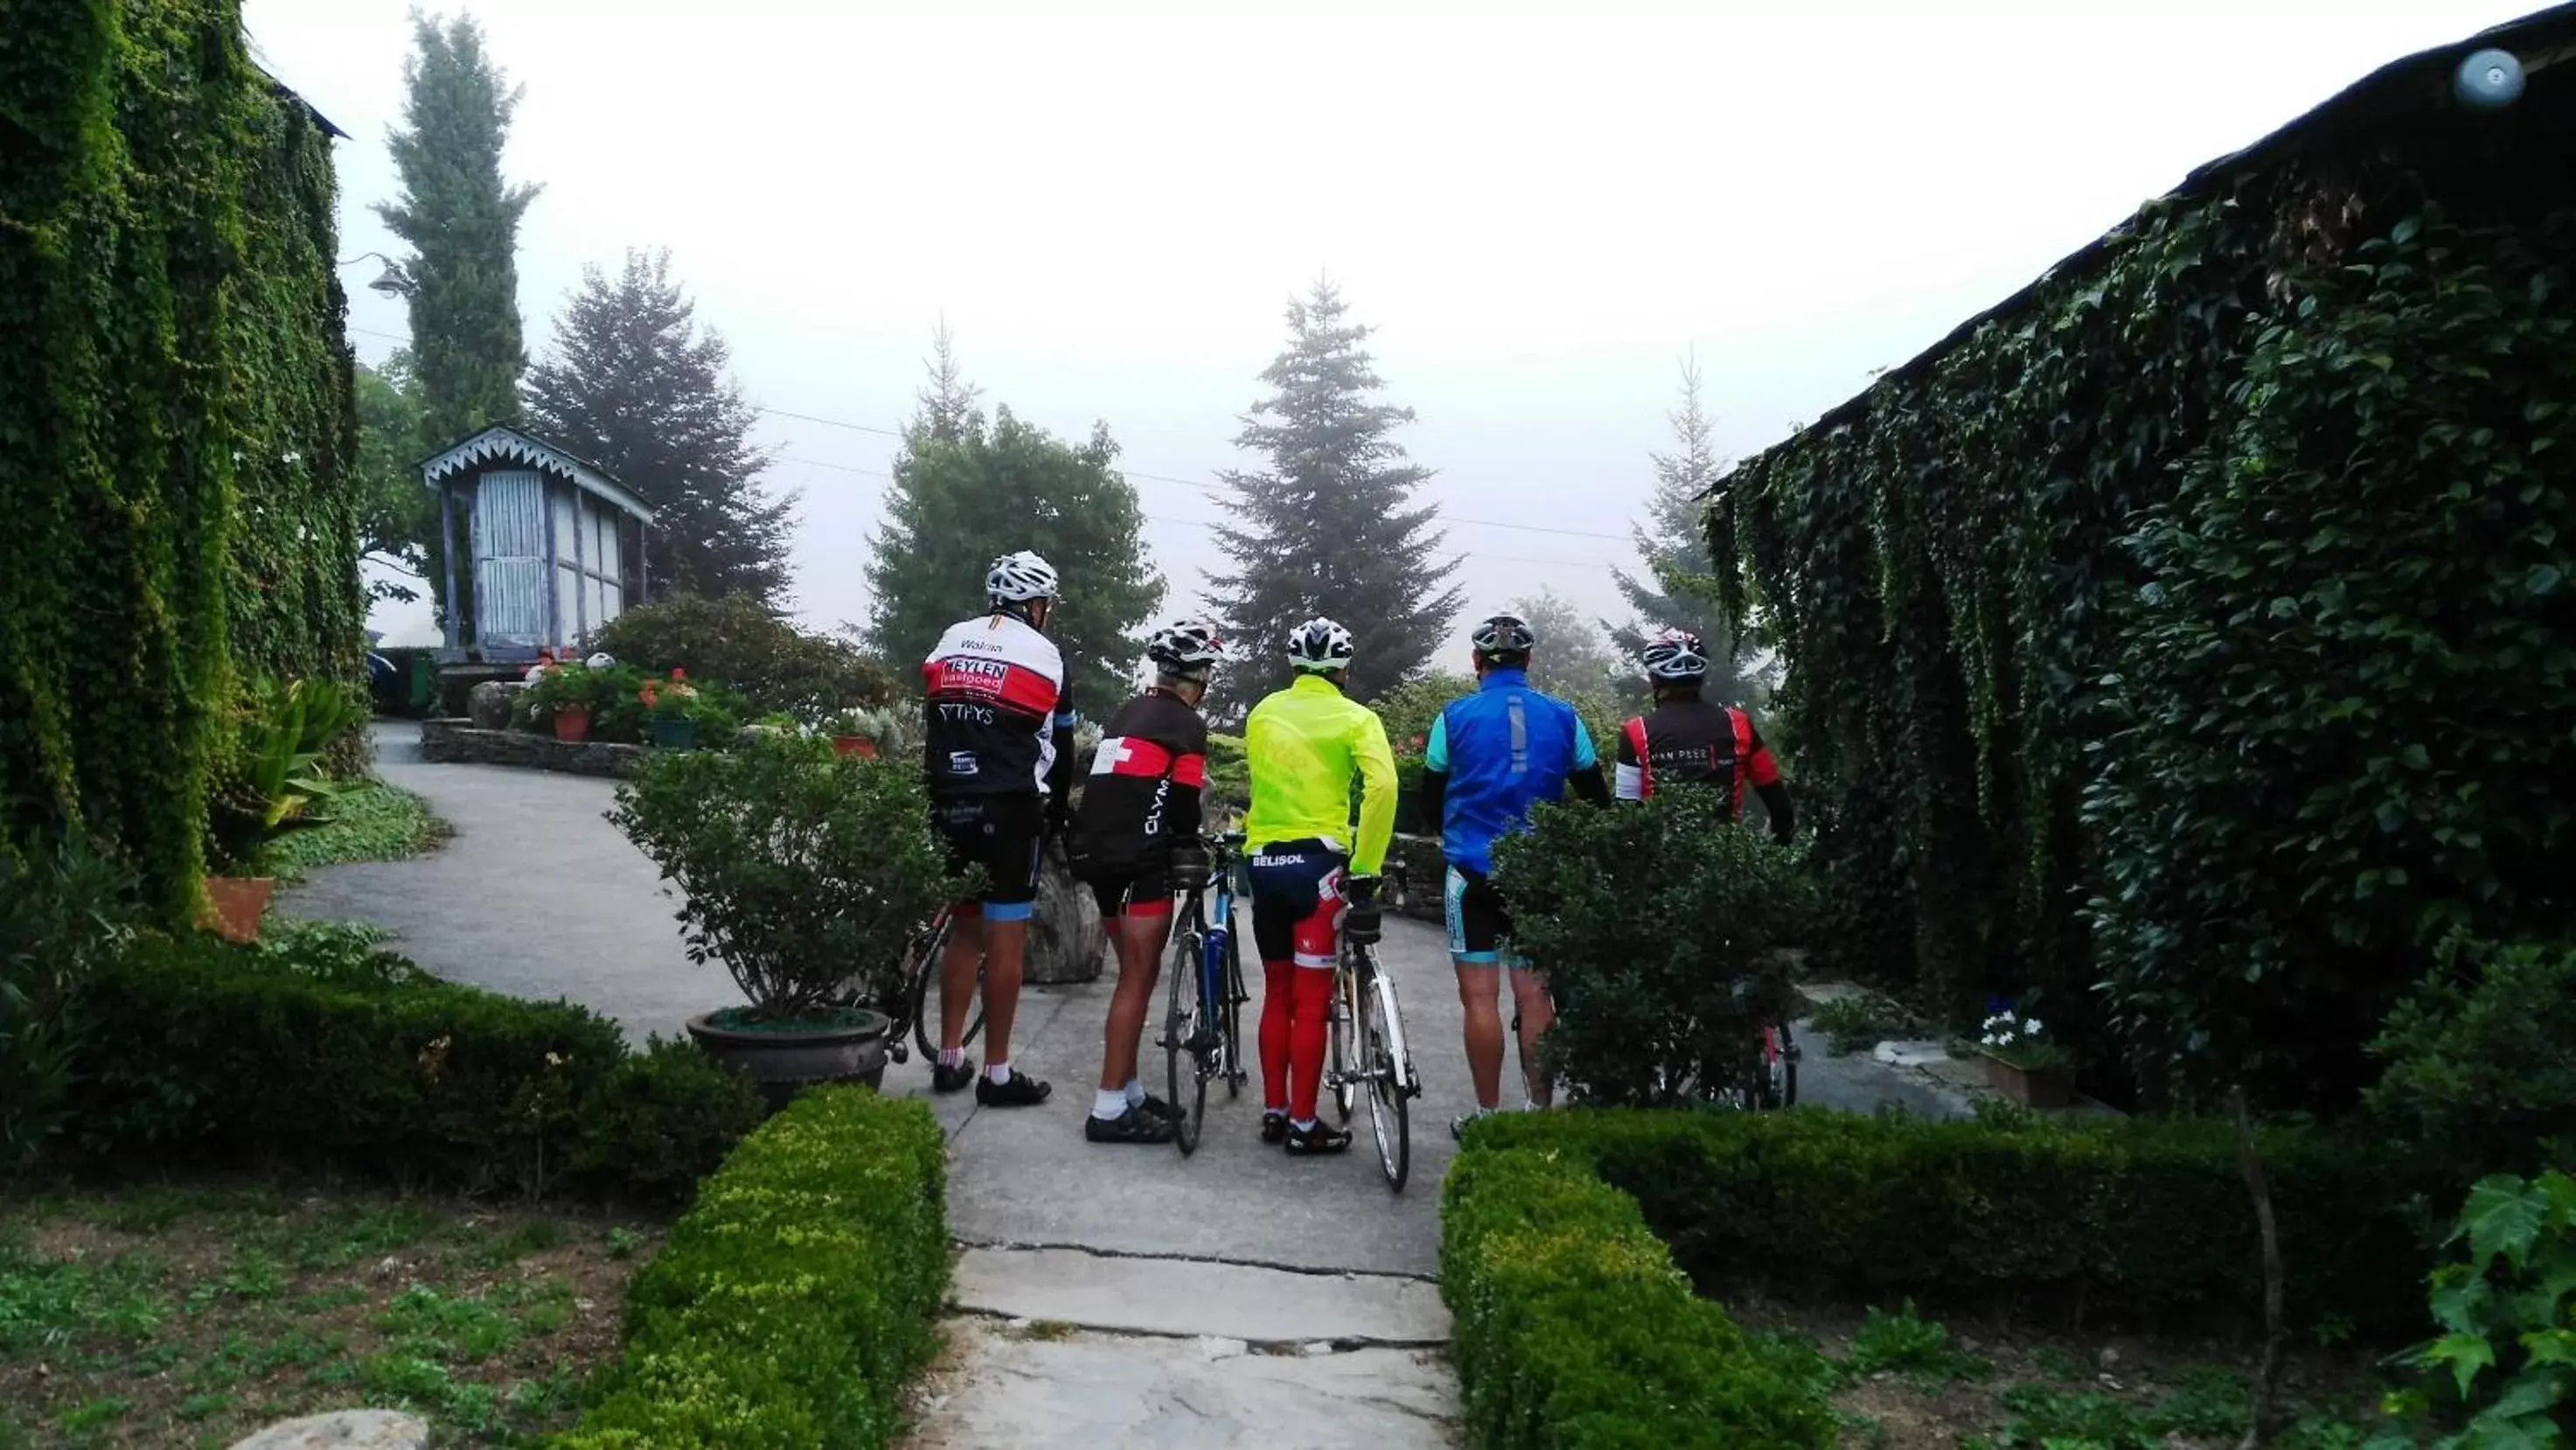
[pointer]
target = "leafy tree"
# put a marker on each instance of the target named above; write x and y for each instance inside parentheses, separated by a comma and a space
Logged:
(1572, 658)
(1679, 590)
(462, 221)
(967, 491)
(637, 387)
(1330, 527)
(397, 517)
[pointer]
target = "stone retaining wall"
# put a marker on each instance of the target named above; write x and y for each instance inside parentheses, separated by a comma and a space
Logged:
(458, 742)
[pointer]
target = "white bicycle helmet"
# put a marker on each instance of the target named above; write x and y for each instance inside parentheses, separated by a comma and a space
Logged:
(1320, 645)
(1503, 635)
(1675, 654)
(1019, 578)
(1187, 648)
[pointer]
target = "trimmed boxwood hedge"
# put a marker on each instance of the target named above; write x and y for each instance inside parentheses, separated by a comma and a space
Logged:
(2139, 1217)
(1572, 1327)
(791, 1305)
(344, 1057)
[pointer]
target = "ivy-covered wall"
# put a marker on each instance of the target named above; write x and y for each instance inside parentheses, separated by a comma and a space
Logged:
(2185, 649)
(169, 334)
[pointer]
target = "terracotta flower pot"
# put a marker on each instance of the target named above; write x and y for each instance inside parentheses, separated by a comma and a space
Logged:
(2040, 1087)
(572, 723)
(235, 904)
(858, 745)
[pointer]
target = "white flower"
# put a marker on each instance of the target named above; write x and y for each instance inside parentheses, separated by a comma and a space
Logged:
(2031, 1028)
(2004, 1040)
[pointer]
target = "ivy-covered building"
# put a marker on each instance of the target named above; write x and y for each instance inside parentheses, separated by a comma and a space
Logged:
(2185, 646)
(176, 426)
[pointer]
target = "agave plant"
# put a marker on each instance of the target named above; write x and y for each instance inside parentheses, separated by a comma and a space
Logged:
(272, 778)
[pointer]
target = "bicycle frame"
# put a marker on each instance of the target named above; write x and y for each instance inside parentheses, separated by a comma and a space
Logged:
(1213, 936)
(1383, 983)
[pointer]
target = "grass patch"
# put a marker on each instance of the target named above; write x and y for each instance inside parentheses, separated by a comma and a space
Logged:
(1906, 1344)
(1860, 1022)
(374, 822)
(196, 1314)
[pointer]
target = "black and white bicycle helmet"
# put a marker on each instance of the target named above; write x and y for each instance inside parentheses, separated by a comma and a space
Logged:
(1019, 578)
(1502, 636)
(1675, 654)
(1187, 648)
(1320, 645)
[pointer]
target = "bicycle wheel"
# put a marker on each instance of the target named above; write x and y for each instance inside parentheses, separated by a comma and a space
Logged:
(1389, 1122)
(924, 997)
(1230, 1013)
(1181, 1046)
(1338, 1068)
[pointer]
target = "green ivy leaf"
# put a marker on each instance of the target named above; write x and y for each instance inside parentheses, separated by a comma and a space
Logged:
(2503, 1216)
(2551, 1346)
(2543, 579)
(2466, 1354)
(2458, 1297)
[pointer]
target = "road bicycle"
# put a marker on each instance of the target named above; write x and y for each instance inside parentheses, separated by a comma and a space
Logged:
(1202, 1034)
(910, 1006)
(1368, 1055)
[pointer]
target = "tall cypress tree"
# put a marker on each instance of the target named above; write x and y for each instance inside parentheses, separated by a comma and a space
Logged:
(637, 387)
(1330, 527)
(1678, 590)
(462, 221)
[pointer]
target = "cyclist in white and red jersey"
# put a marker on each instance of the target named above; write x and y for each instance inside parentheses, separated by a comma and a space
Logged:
(999, 752)
(1686, 741)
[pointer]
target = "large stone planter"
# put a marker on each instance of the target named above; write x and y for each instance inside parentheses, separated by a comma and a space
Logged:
(1065, 939)
(2043, 1087)
(782, 1062)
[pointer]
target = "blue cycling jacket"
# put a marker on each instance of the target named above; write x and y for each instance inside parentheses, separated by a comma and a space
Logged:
(1503, 748)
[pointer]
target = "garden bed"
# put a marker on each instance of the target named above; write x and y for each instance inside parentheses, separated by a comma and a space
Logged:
(459, 742)
(196, 1314)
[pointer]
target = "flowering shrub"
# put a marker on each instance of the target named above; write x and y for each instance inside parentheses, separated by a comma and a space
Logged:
(2022, 1041)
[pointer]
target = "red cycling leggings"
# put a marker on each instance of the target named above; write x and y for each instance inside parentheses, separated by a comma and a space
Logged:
(1296, 914)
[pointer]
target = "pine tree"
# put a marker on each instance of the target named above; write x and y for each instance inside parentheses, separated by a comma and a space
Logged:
(1679, 592)
(462, 222)
(1330, 527)
(967, 491)
(637, 387)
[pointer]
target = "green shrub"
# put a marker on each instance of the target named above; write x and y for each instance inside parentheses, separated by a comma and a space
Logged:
(2142, 1217)
(2478, 1068)
(789, 1307)
(1659, 926)
(323, 1050)
(797, 868)
(59, 917)
(2504, 1371)
(1572, 1327)
(738, 643)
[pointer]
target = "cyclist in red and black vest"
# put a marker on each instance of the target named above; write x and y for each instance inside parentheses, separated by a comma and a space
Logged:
(1686, 741)
(1137, 843)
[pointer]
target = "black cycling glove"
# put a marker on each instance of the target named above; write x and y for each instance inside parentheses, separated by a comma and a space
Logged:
(1360, 920)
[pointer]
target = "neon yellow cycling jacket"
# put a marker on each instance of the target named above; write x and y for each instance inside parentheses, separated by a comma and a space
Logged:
(1302, 746)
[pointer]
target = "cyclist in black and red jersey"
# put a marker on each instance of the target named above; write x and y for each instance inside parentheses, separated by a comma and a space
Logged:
(1685, 740)
(1137, 843)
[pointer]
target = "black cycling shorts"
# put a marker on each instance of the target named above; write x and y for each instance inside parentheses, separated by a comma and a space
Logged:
(999, 831)
(1480, 931)
(1297, 902)
(1146, 891)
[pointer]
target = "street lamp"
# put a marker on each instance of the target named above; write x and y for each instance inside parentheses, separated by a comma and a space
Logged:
(394, 282)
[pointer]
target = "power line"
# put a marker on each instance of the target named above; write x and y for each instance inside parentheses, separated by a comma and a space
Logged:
(1201, 486)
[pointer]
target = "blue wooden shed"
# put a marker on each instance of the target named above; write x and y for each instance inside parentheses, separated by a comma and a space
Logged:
(554, 548)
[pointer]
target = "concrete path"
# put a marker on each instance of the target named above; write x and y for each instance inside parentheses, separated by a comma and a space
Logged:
(1107, 1295)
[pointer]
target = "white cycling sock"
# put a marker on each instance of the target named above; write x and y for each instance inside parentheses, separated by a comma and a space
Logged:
(999, 1072)
(1109, 1104)
(952, 1057)
(1135, 1092)
(1302, 1125)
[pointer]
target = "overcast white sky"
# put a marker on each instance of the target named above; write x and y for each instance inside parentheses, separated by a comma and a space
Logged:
(1541, 213)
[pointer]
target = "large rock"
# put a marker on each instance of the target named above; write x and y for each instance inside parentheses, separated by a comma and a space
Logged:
(488, 704)
(1065, 939)
(343, 1430)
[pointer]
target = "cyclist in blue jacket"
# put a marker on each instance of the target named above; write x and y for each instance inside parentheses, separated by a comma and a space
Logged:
(1489, 758)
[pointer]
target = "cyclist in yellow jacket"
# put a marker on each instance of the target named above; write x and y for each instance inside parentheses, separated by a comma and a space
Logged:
(1303, 746)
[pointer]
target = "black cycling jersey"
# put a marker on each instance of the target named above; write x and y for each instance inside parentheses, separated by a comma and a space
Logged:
(999, 711)
(1143, 793)
(1689, 741)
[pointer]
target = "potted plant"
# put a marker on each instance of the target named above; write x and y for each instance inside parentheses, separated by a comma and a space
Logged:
(564, 695)
(858, 732)
(266, 786)
(803, 872)
(2025, 1063)
(671, 706)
